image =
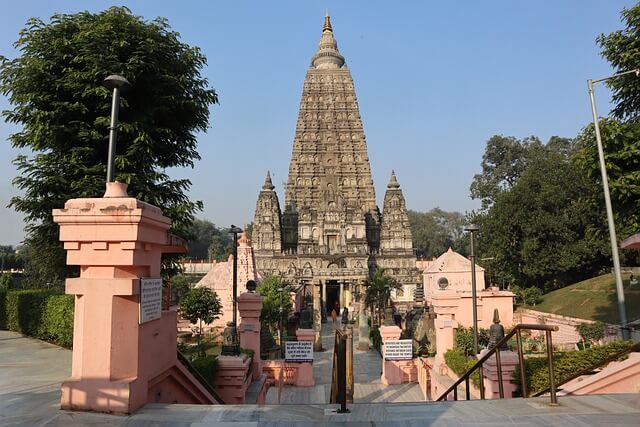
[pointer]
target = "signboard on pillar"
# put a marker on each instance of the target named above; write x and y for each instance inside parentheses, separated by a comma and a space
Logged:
(298, 351)
(398, 350)
(150, 299)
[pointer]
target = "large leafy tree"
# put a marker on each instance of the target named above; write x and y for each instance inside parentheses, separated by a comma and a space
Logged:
(209, 242)
(622, 49)
(621, 132)
(435, 231)
(504, 160)
(622, 157)
(54, 86)
(545, 229)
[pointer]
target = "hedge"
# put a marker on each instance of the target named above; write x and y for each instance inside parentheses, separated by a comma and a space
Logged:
(207, 367)
(564, 365)
(57, 320)
(459, 363)
(39, 313)
(3, 309)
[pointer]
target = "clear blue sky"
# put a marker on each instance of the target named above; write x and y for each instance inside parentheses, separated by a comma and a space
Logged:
(434, 81)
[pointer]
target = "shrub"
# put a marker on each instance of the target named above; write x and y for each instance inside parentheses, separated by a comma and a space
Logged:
(460, 363)
(24, 310)
(57, 320)
(463, 339)
(207, 367)
(565, 365)
(3, 309)
(591, 332)
(532, 296)
(6, 281)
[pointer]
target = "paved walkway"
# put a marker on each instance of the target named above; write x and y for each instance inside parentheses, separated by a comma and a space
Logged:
(367, 385)
(31, 373)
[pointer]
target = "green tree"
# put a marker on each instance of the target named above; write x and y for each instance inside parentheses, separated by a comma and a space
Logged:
(200, 305)
(435, 231)
(621, 143)
(276, 303)
(544, 230)
(504, 160)
(378, 291)
(209, 241)
(622, 49)
(55, 90)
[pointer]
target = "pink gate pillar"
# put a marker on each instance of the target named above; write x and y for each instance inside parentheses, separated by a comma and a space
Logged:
(249, 306)
(304, 376)
(396, 371)
(118, 365)
(508, 361)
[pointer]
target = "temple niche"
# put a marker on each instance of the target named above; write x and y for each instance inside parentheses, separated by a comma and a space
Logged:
(330, 232)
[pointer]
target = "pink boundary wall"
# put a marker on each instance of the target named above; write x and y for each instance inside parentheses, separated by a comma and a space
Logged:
(567, 335)
(617, 377)
(298, 374)
(117, 364)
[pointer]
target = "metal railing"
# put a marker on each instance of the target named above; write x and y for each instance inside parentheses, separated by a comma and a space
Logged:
(517, 331)
(202, 380)
(590, 369)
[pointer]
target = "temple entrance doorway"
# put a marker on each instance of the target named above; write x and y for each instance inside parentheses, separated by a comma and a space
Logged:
(333, 297)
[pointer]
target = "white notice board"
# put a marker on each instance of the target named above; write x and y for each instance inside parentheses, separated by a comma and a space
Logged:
(150, 299)
(398, 350)
(298, 351)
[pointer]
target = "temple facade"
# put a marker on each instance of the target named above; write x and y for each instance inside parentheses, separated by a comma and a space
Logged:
(330, 233)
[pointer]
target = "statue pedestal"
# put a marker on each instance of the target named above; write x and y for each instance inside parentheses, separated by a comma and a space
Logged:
(509, 361)
(249, 306)
(232, 378)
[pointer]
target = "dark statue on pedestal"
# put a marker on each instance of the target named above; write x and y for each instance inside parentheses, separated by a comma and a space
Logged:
(267, 343)
(388, 317)
(496, 332)
(306, 318)
(230, 342)
(293, 323)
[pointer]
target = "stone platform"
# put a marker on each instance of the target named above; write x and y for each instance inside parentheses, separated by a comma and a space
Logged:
(31, 373)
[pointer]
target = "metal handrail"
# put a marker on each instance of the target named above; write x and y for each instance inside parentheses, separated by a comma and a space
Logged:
(202, 380)
(586, 371)
(517, 331)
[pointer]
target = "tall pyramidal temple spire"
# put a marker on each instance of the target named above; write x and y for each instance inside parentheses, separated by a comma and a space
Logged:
(329, 232)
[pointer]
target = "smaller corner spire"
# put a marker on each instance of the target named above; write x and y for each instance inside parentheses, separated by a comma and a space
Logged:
(268, 185)
(393, 182)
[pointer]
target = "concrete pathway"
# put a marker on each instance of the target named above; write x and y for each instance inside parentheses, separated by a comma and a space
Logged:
(367, 385)
(31, 373)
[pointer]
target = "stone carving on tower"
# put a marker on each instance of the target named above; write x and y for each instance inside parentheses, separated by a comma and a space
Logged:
(329, 232)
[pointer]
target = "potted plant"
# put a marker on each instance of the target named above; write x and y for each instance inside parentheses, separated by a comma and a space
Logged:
(590, 333)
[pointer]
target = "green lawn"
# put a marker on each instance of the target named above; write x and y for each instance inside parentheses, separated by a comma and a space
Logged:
(593, 299)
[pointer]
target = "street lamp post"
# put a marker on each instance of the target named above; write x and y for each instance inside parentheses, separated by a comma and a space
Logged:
(235, 230)
(607, 201)
(118, 84)
(472, 228)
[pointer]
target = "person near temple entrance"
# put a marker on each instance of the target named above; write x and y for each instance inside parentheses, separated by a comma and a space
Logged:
(334, 317)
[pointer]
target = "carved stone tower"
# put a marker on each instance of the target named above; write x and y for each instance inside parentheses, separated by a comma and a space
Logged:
(330, 234)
